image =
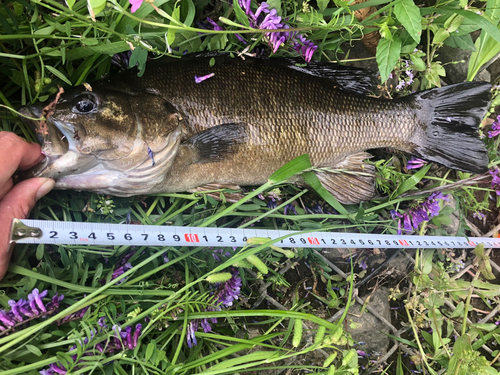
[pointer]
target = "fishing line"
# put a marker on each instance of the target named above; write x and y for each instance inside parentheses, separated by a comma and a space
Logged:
(78, 233)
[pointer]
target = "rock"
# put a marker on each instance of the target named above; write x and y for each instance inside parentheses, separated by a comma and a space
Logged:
(457, 72)
(452, 228)
(368, 328)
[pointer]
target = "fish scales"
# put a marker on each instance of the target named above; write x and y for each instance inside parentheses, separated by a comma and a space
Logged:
(307, 112)
(249, 119)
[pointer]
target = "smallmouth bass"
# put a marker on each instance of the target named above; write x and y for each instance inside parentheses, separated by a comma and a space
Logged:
(163, 132)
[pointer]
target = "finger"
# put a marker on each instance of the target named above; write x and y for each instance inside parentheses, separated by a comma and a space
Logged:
(17, 204)
(16, 153)
(5, 188)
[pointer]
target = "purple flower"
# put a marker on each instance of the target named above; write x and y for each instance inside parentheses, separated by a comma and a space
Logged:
(191, 338)
(6, 319)
(203, 78)
(271, 204)
(212, 22)
(15, 306)
(290, 207)
(165, 258)
(135, 5)
(137, 333)
(363, 264)
(224, 295)
(35, 299)
(420, 213)
(415, 163)
(272, 21)
(495, 128)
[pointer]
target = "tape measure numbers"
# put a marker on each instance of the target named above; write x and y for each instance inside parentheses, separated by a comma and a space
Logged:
(76, 233)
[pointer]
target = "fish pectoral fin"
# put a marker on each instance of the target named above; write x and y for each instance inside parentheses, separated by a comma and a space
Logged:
(217, 143)
(208, 189)
(351, 181)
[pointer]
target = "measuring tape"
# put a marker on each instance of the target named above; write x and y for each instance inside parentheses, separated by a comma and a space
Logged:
(76, 233)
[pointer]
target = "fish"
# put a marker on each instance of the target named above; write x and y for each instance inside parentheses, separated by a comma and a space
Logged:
(168, 132)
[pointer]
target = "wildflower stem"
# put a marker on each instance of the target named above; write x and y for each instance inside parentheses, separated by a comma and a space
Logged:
(83, 289)
(184, 323)
(265, 214)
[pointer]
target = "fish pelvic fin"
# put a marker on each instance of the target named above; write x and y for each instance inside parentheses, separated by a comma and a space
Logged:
(450, 117)
(351, 180)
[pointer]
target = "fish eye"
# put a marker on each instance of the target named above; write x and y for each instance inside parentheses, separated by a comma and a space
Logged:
(85, 104)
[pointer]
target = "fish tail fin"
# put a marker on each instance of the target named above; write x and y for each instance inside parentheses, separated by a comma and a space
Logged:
(450, 117)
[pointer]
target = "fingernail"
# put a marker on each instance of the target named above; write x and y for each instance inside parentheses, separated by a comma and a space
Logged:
(47, 186)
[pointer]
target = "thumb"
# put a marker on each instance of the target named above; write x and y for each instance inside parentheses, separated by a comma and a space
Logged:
(17, 204)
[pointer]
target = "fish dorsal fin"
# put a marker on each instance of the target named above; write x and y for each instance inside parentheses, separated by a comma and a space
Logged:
(346, 78)
(351, 180)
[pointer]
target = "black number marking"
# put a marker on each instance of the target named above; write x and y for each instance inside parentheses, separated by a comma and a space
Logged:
(145, 236)
(92, 235)
(353, 242)
(161, 237)
(418, 243)
(361, 242)
(74, 235)
(303, 240)
(219, 239)
(387, 242)
(292, 240)
(323, 241)
(127, 236)
(380, 243)
(111, 236)
(54, 234)
(395, 242)
(206, 239)
(333, 241)
(233, 239)
(176, 237)
(245, 239)
(342, 241)
(370, 242)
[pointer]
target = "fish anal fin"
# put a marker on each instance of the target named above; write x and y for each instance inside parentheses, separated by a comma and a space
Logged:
(351, 180)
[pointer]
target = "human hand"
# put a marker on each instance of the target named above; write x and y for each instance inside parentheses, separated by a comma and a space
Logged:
(16, 201)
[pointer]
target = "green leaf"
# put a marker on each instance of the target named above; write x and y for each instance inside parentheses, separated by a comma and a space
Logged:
(314, 182)
(409, 15)
(291, 168)
(40, 249)
(97, 5)
(322, 4)
(58, 74)
(33, 349)
(440, 36)
(240, 14)
(150, 350)
(110, 48)
(411, 182)
(387, 56)
(171, 31)
(70, 3)
(407, 43)
(464, 42)
(427, 261)
(418, 63)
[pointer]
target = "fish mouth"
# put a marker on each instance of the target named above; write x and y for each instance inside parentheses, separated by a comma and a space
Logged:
(53, 139)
